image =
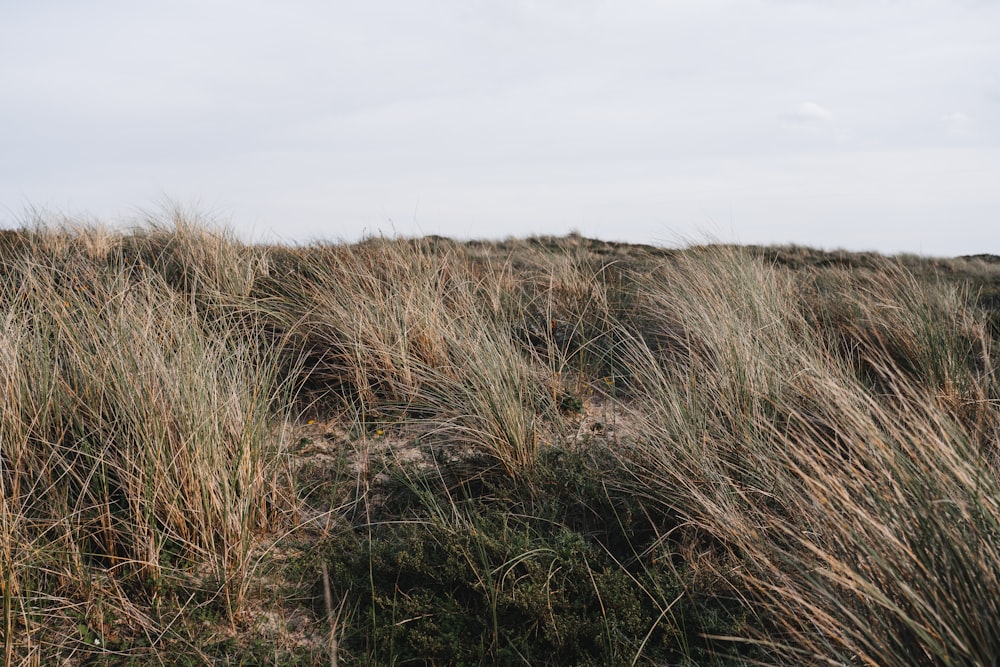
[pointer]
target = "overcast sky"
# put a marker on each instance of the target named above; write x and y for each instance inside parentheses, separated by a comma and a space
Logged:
(863, 124)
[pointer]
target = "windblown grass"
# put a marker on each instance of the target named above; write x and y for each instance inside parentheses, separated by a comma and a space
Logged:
(135, 442)
(836, 438)
(542, 451)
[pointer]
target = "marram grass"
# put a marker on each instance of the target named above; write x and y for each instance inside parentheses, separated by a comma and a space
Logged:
(541, 451)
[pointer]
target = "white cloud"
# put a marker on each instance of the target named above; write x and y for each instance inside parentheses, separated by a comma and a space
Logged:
(815, 120)
(808, 114)
(957, 124)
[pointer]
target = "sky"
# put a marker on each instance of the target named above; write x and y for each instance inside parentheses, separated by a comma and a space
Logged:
(857, 124)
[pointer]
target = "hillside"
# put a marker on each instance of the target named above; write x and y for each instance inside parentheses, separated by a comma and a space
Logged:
(545, 451)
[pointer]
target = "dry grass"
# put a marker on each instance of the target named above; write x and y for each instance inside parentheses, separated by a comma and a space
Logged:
(134, 439)
(836, 437)
(811, 438)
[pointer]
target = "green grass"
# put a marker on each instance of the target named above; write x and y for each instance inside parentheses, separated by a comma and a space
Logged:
(541, 451)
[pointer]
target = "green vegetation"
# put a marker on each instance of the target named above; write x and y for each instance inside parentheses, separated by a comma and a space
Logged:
(551, 451)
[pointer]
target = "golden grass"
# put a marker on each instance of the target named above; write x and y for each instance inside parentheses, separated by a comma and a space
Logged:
(826, 431)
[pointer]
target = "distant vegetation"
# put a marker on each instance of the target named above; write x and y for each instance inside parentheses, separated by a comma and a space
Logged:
(550, 451)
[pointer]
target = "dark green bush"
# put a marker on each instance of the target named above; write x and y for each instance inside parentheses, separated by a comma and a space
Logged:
(554, 569)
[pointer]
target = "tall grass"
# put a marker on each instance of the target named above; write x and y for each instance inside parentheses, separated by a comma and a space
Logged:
(134, 439)
(801, 468)
(837, 458)
(414, 330)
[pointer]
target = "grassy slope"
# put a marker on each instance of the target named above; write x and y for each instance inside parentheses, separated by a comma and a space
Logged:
(542, 451)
